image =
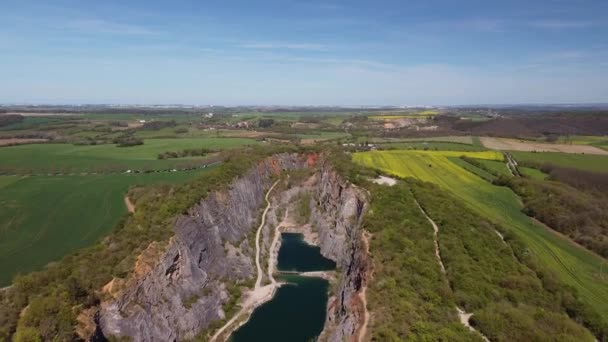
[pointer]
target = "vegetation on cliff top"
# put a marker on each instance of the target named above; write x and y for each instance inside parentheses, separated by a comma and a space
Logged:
(57, 294)
(493, 279)
(574, 265)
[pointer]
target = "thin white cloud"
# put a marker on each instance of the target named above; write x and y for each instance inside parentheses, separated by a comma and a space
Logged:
(283, 46)
(484, 25)
(561, 24)
(108, 27)
(566, 55)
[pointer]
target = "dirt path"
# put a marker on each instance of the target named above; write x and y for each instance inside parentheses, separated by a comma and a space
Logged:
(462, 315)
(129, 204)
(259, 294)
(258, 282)
(435, 232)
(363, 293)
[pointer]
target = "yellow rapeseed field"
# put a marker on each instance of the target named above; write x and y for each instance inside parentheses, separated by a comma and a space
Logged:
(575, 265)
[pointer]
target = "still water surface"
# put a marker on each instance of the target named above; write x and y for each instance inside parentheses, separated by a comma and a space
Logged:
(297, 311)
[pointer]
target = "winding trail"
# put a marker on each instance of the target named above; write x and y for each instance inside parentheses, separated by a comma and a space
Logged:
(259, 294)
(258, 281)
(462, 315)
(363, 293)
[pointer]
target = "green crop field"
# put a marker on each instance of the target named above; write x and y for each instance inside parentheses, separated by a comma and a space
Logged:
(432, 145)
(586, 162)
(497, 167)
(447, 139)
(575, 265)
(40, 158)
(583, 140)
(44, 218)
(472, 168)
(532, 173)
(322, 135)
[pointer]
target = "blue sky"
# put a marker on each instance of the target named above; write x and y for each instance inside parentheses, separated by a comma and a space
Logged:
(304, 52)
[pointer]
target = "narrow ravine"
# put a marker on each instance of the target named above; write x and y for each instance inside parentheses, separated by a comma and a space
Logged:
(464, 316)
(259, 294)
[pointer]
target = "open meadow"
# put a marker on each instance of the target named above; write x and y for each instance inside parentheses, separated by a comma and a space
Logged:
(66, 158)
(45, 218)
(505, 144)
(575, 265)
(584, 162)
(599, 141)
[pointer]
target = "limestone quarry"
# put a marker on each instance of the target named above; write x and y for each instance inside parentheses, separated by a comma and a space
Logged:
(188, 286)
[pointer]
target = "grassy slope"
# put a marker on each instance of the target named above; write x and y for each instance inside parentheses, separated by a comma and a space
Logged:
(576, 266)
(472, 168)
(578, 161)
(64, 157)
(532, 173)
(497, 167)
(44, 218)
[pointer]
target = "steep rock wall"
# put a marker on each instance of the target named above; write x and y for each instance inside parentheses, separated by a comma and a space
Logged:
(184, 291)
(337, 213)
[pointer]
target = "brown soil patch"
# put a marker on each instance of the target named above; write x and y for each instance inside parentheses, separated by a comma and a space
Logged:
(86, 323)
(505, 144)
(148, 259)
(44, 114)
(130, 125)
(129, 204)
(16, 141)
(246, 134)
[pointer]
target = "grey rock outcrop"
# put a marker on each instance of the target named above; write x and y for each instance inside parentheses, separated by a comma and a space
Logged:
(185, 291)
(337, 212)
(190, 279)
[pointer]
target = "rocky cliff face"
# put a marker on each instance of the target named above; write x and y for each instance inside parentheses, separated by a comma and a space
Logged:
(183, 293)
(337, 214)
(187, 282)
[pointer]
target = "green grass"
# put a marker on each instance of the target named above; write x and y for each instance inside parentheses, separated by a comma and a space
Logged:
(585, 162)
(433, 145)
(583, 140)
(41, 158)
(322, 135)
(472, 168)
(575, 266)
(44, 218)
(7, 180)
(34, 121)
(447, 139)
(532, 173)
(496, 167)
